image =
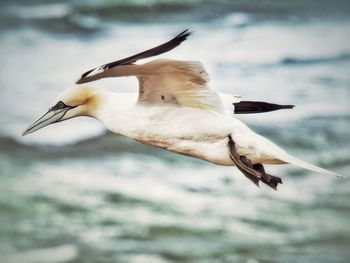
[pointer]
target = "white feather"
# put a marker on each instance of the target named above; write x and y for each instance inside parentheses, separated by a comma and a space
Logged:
(191, 131)
(297, 162)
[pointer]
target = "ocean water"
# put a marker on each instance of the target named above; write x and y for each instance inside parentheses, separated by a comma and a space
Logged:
(73, 192)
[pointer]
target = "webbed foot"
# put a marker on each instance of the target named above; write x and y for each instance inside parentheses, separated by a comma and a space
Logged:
(254, 172)
(268, 179)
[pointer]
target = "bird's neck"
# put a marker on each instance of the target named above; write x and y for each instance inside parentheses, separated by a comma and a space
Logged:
(115, 110)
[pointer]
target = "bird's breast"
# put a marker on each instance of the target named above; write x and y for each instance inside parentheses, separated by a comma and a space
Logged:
(211, 149)
(188, 131)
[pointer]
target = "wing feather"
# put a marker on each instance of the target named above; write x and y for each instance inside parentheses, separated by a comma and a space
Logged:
(183, 83)
(178, 82)
(95, 73)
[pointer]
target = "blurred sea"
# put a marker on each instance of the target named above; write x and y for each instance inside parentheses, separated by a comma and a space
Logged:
(75, 193)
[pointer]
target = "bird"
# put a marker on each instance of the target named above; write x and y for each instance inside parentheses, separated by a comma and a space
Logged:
(175, 109)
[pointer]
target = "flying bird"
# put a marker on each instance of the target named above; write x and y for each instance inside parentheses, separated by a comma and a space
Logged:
(176, 110)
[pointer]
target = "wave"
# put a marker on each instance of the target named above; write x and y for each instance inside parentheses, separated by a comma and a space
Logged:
(315, 60)
(62, 253)
(101, 145)
(54, 17)
(88, 16)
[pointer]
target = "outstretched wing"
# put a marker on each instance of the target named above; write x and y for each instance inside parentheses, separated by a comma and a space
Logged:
(97, 73)
(171, 81)
(163, 81)
(177, 82)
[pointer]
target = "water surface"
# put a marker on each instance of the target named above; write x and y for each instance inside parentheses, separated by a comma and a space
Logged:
(76, 193)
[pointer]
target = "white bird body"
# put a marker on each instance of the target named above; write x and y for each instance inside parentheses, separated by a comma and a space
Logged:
(176, 110)
(190, 131)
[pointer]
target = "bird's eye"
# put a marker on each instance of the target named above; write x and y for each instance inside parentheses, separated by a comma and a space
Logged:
(60, 105)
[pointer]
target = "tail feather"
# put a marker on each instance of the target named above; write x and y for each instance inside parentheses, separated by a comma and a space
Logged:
(295, 161)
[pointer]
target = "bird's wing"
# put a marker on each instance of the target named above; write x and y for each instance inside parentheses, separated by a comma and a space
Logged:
(235, 104)
(177, 82)
(106, 69)
(163, 81)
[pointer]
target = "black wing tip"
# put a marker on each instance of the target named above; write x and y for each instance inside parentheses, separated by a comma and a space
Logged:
(86, 73)
(247, 107)
(79, 81)
(83, 76)
(282, 107)
(177, 40)
(183, 35)
(289, 106)
(186, 33)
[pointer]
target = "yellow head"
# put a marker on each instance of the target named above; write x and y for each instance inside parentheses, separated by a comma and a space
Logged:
(73, 102)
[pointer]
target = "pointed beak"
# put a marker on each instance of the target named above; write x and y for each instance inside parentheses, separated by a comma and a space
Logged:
(52, 116)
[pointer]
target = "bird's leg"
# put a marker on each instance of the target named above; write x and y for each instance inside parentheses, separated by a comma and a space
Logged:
(243, 164)
(253, 177)
(254, 172)
(268, 179)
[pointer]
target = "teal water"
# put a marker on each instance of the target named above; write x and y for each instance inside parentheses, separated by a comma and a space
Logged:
(76, 193)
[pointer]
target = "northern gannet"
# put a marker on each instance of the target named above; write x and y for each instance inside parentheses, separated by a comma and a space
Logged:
(176, 110)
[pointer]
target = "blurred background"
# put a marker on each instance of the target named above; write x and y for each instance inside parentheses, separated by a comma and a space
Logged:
(73, 192)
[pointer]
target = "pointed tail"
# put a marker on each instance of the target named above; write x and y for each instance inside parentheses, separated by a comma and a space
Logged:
(295, 161)
(246, 107)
